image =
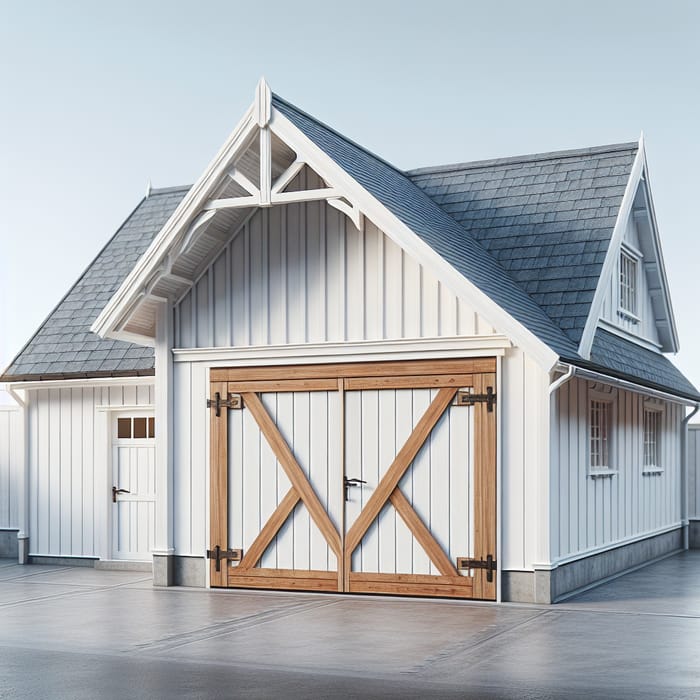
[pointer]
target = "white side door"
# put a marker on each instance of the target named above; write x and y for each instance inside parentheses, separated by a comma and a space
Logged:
(133, 495)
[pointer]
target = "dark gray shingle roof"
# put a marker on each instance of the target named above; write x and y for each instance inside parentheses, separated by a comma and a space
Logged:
(616, 356)
(64, 346)
(547, 219)
(436, 227)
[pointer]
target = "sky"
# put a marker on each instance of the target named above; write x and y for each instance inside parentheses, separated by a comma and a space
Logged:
(97, 99)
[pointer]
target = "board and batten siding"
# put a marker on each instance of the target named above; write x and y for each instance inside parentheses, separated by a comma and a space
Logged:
(294, 274)
(302, 273)
(646, 327)
(593, 512)
(694, 471)
(11, 458)
(69, 457)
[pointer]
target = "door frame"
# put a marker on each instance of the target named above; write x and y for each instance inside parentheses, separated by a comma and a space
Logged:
(420, 373)
(113, 413)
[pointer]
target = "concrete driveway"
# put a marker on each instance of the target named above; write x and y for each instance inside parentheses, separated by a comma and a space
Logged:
(83, 633)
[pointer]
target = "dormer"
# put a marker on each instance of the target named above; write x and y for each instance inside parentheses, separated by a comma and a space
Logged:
(633, 293)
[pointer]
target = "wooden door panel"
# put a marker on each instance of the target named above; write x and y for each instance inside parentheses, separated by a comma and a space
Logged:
(284, 504)
(429, 465)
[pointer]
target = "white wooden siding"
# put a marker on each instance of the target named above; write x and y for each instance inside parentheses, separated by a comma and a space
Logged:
(310, 424)
(303, 273)
(646, 327)
(590, 513)
(438, 484)
(11, 457)
(69, 445)
(694, 471)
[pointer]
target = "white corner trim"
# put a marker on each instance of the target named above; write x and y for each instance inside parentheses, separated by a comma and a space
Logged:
(357, 351)
(613, 251)
(409, 241)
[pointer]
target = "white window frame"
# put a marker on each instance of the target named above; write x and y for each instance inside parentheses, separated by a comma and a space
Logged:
(628, 286)
(606, 400)
(654, 412)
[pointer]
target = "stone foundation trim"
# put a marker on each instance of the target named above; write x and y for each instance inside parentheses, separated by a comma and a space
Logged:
(549, 585)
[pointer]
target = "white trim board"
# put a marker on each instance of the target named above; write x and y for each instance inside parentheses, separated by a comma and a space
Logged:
(362, 351)
(145, 380)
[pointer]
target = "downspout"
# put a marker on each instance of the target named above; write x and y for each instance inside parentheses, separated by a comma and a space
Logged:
(684, 476)
(544, 575)
(562, 380)
(23, 514)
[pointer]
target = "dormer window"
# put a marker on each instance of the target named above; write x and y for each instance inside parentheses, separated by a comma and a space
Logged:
(629, 284)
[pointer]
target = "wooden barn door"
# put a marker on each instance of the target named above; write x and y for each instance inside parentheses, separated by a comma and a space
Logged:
(373, 478)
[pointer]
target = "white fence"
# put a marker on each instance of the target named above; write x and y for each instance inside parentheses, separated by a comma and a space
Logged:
(11, 446)
(694, 471)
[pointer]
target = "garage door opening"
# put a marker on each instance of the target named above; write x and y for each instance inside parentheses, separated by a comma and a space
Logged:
(367, 478)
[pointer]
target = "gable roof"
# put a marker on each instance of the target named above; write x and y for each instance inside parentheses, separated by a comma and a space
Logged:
(64, 346)
(530, 233)
(436, 227)
(547, 219)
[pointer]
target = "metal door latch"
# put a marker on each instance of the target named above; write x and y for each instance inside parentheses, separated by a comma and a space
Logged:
(348, 483)
(218, 554)
(115, 491)
(489, 564)
(233, 401)
(466, 398)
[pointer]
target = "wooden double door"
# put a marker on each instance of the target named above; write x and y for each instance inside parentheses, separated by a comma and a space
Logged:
(368, 478)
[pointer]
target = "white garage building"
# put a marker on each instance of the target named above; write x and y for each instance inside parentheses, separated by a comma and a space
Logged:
(324, 373)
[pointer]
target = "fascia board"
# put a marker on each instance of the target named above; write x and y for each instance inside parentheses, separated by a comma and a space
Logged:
(656, 238)
(122, 302)
(407, 239)
(144, 380)
(594, 312)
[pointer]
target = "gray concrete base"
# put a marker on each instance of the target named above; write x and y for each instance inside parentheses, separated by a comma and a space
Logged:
(62, 561)
(163, 569)
(694, 534)
(8, 544)
(549, 586)
(22, 550)
(119, 565)
(190, 571)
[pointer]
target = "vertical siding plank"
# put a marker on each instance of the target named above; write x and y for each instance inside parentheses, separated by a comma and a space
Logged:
(385, 456)
(183, 455)
(197, 467)
(393, 290)
(221, 331)
(88, 450)
(374, 285)
(76, 467)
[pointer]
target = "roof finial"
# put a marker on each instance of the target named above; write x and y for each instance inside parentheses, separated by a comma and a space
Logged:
(263, 102)
(148, 188)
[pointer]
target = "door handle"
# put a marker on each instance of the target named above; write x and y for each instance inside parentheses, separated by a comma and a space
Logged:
(115, 491)
(348, 483)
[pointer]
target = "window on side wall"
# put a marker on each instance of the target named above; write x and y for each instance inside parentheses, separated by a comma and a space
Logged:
(652, 441)
(600, 438)
(629, 285)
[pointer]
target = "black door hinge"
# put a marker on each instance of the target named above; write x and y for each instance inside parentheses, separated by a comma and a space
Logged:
(489, 564)
(466, 398)
(217, 554)
(233, 401)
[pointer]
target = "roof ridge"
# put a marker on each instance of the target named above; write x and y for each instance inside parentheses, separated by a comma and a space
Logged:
(525, 158)
(275, 96)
